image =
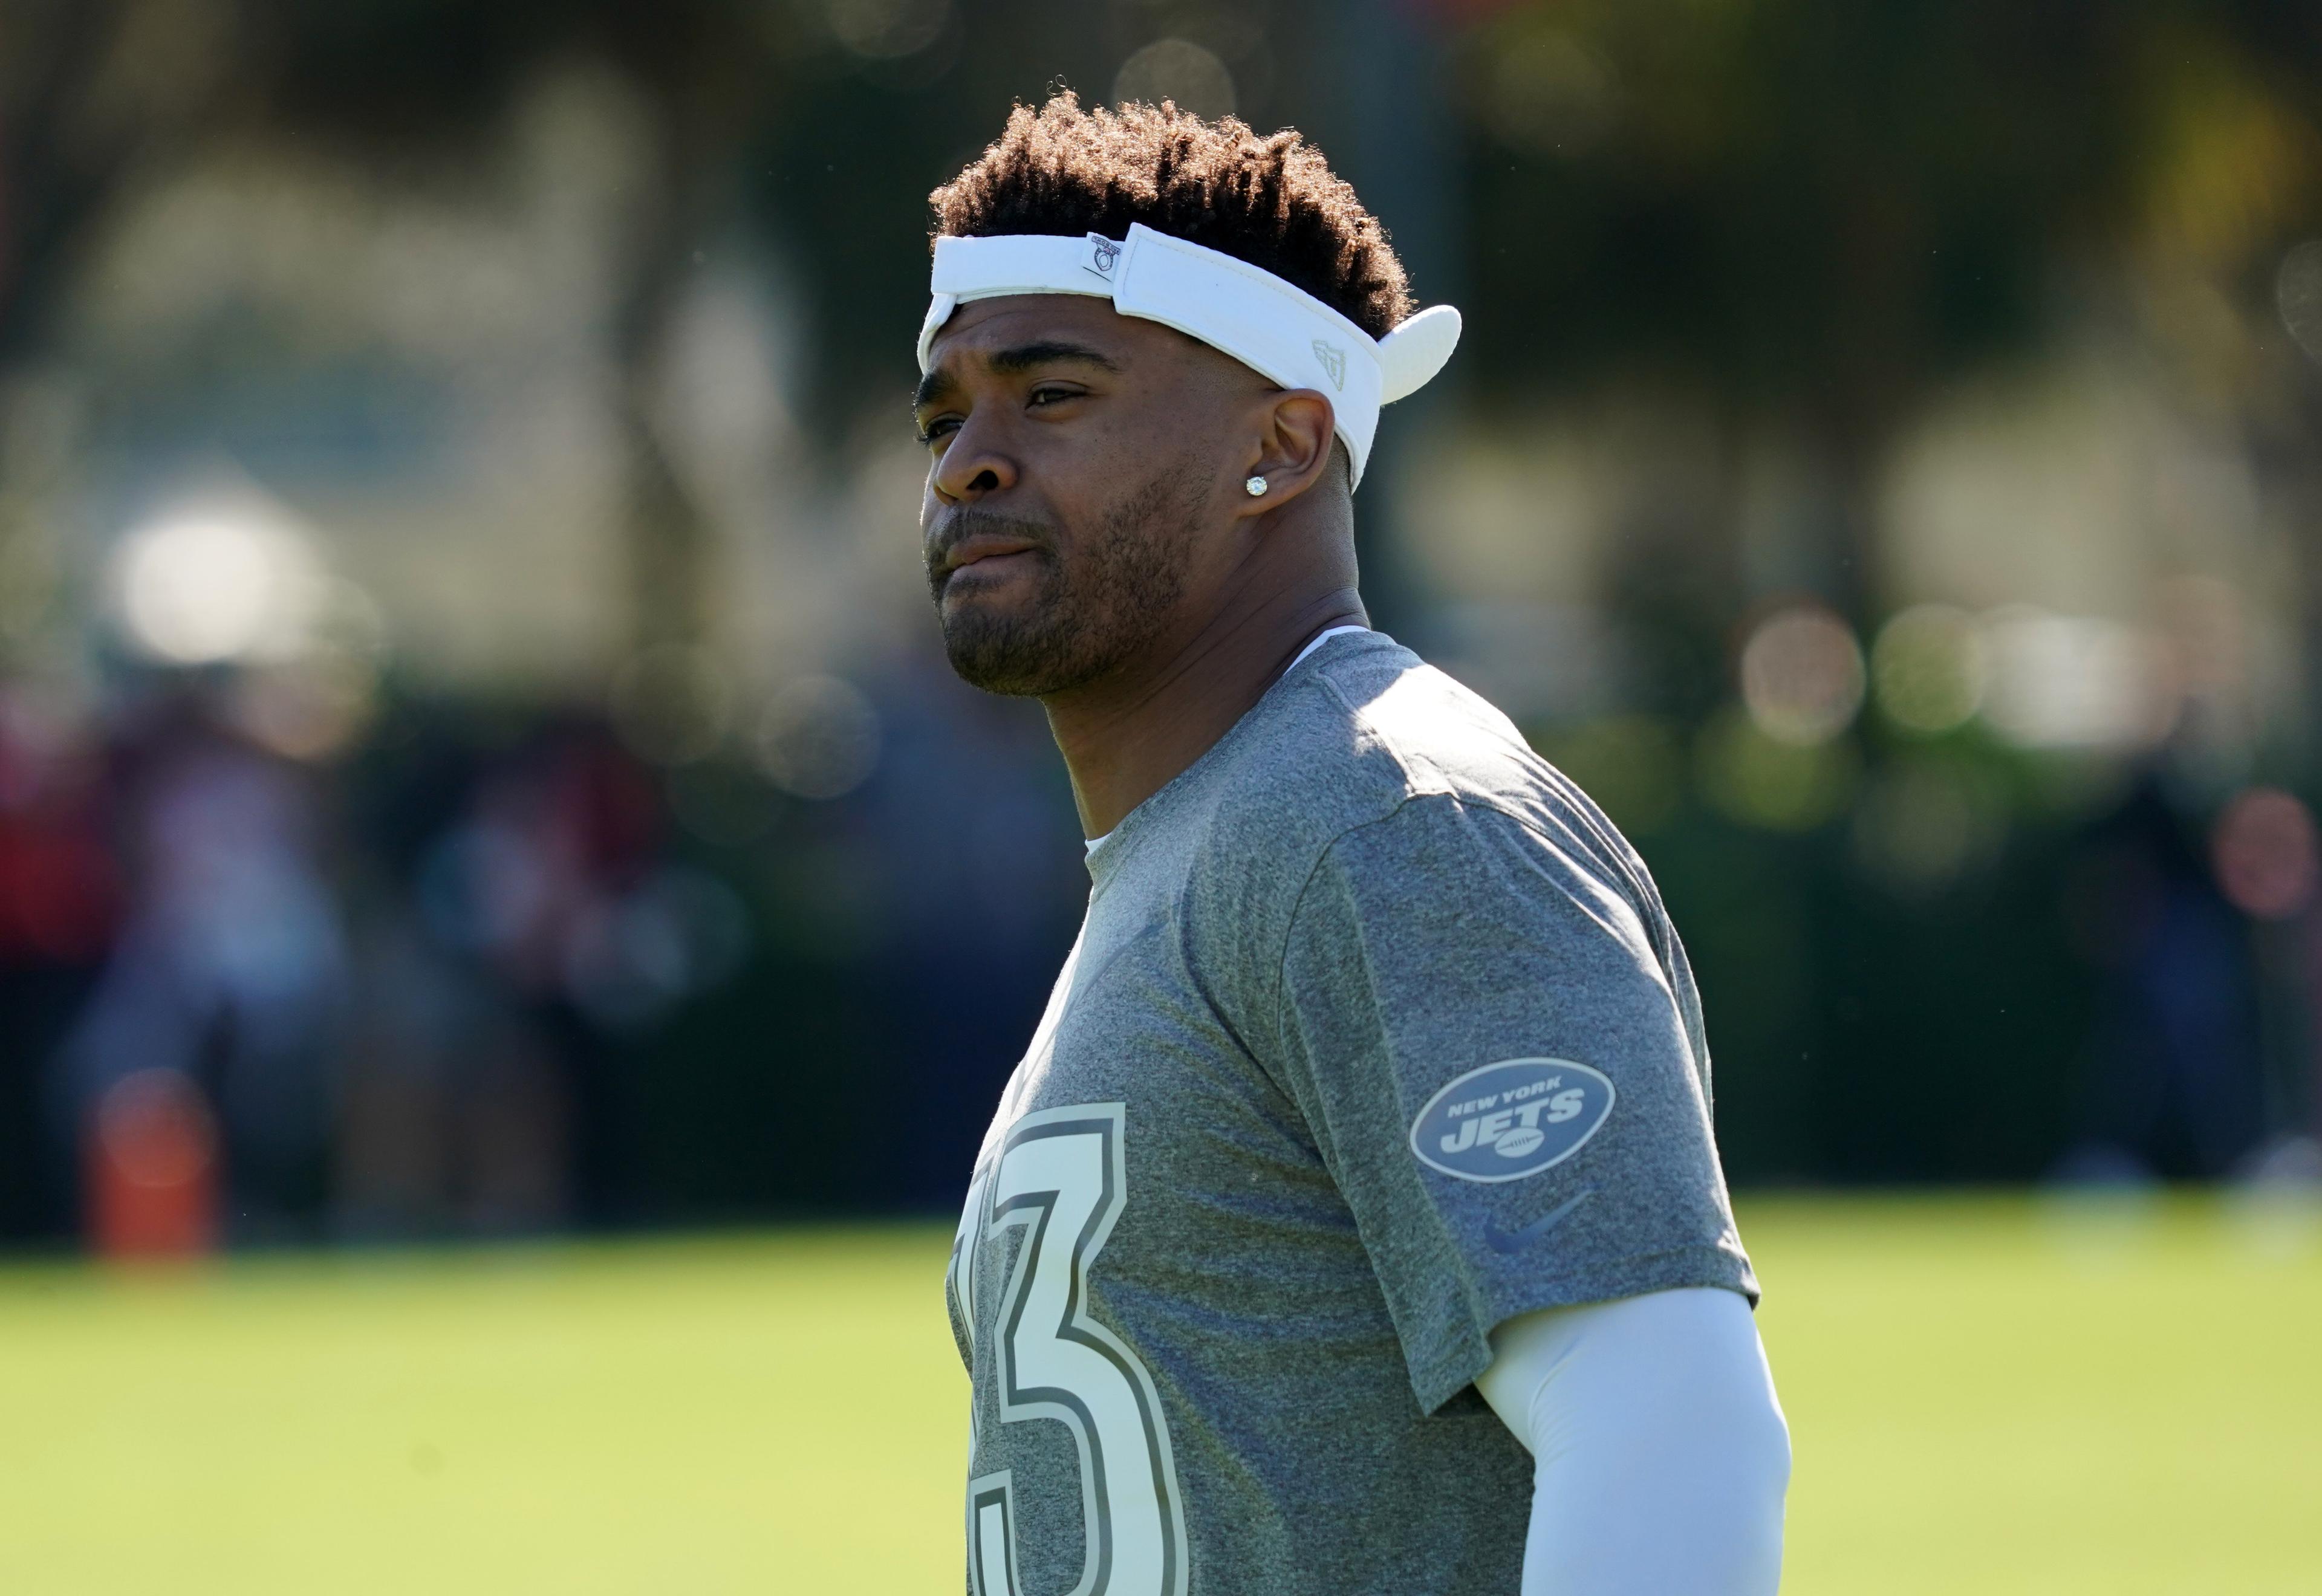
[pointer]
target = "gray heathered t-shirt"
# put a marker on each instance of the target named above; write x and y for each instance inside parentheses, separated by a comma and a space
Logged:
(1375, 1035)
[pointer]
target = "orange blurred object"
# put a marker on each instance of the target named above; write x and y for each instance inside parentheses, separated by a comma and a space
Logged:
(152, 1169)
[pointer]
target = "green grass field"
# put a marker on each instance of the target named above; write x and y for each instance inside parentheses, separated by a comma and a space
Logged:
(1984, 1396)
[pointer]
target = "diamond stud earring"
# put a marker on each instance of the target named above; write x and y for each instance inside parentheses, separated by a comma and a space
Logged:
(1256, 486)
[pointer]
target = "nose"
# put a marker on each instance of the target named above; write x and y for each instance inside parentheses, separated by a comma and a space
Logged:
(972, 466)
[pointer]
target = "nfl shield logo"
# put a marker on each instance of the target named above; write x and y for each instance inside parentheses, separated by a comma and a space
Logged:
(1334, 362)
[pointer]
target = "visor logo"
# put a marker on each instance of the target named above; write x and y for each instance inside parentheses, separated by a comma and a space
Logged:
(1102, 253)
(1334, 363)
(1511, 1119)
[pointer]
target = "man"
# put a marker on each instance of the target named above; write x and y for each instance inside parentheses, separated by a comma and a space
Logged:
(1365, 1145)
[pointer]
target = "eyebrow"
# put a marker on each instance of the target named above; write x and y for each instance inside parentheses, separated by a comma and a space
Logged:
(1014, 361)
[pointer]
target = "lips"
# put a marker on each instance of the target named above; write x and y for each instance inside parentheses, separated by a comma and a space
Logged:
(991, 569)
(982, 547)
(985, 551)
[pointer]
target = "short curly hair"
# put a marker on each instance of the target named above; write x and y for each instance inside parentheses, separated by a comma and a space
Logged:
(1271, 201)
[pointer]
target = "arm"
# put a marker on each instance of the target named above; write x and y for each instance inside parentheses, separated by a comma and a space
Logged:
(1660, 1454)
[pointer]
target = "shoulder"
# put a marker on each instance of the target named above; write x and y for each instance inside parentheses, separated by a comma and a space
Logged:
(1444, 737)
(1352, 733)
(1371, 789)
(1365, 728)
(1357, 735)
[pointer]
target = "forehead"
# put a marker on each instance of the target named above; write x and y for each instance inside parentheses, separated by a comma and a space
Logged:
(982, 328)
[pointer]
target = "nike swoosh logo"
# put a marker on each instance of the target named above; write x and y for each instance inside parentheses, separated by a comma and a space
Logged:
(1511, 1241)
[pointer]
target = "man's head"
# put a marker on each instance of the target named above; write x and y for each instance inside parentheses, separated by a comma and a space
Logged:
(1087, 494)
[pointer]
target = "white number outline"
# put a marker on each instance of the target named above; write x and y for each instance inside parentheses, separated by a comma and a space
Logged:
(992, 1535)
(1107, 1483)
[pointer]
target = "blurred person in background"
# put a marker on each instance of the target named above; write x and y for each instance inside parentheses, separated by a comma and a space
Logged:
(1365, 1146)
(2174, 1078)
(487, 1095)
(231, 966)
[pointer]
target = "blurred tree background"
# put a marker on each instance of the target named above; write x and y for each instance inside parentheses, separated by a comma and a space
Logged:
(456, 530)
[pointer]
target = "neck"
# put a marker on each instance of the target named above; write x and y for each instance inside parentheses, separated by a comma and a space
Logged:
(1128, 734)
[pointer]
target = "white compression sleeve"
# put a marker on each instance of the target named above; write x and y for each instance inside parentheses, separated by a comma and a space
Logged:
(1660, 1453)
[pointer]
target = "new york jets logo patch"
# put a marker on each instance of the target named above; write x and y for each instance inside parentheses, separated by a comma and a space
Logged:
(1511, 1119)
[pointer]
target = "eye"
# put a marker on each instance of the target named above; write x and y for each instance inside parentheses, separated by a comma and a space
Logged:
(1052, 393)
(938, 430)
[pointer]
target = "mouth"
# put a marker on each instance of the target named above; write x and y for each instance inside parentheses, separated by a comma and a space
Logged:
(985, 569)
(982, 561)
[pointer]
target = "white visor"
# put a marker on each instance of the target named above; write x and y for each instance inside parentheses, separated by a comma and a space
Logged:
(1281, 331)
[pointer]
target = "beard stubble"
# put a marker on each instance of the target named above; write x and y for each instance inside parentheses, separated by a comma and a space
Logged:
(1089, 612)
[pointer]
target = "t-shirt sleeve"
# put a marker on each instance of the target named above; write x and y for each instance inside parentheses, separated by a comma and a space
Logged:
(1496, 1069)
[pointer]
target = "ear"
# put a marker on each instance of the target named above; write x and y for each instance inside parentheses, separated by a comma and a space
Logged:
(1291, 448)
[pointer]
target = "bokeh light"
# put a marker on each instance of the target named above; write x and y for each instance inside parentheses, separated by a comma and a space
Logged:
(2070, 681)
(2298, 294)
(1802, 677)
(1774, 785)
(1924, 824)
(1928, 667)
(818, 738)
(156, 1128)
(2263, 848)
(199, 588)
(1548, 94)
(1177, 69)
(153, 1155)
(882, 30)
(307, 708)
